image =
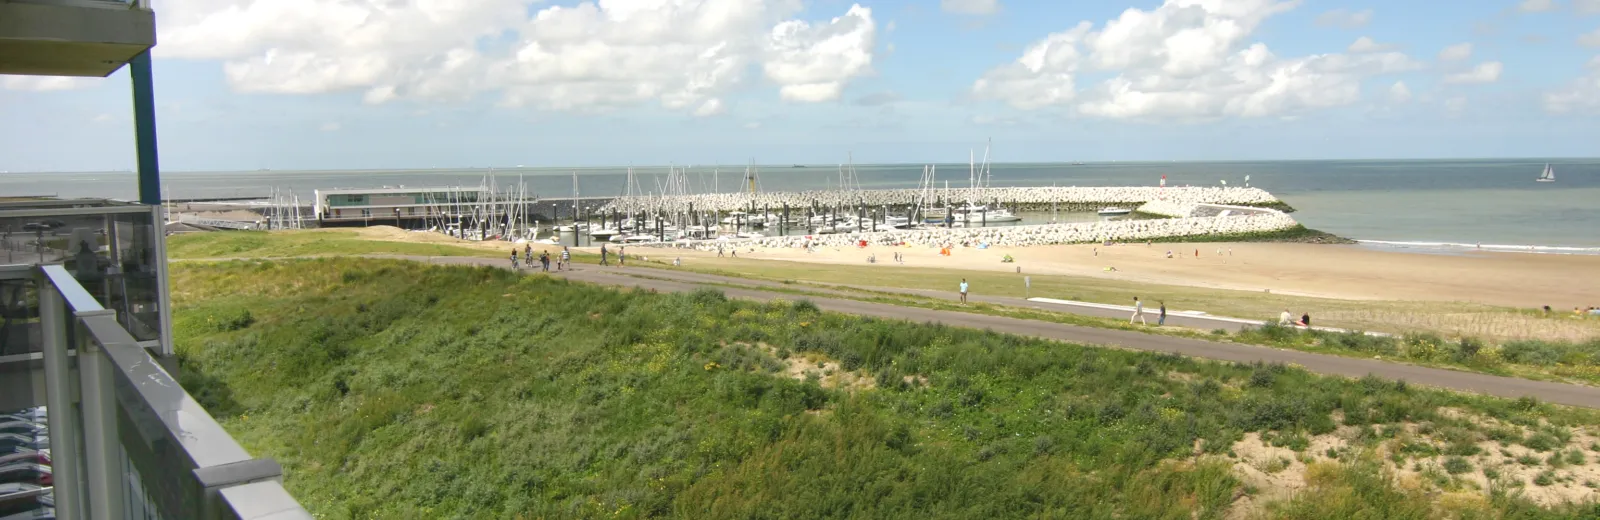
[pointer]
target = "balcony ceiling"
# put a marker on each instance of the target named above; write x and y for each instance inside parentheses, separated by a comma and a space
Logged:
(72, 38)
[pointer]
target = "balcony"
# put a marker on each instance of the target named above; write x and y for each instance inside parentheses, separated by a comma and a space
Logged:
(95, 424)
(73, 37)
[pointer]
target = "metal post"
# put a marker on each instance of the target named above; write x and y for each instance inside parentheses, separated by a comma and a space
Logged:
(105, 479)
(144, 128)
(58, 395)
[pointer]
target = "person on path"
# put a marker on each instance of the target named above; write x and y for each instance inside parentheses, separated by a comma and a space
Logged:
(544, 260)
(1284, 319)
(513, 258)
(1138, 312)
(603, 254)
(1161, 320)
(622, 255)
(566, 259)
(527, 253)
(963, 290)
(719, 250)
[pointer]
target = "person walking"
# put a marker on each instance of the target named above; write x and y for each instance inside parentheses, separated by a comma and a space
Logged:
(566, 259)
(603, 254)
(1138, 312)
(513, 258)
(963, 290)
(544, 260)
(622, 255)
(527, 254)
(1161, 320)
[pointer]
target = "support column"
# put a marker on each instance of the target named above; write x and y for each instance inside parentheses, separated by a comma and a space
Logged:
(105, 478)
(144, 127)
(64, 431)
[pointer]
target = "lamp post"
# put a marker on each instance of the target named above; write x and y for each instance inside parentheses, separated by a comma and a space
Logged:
(397, 217)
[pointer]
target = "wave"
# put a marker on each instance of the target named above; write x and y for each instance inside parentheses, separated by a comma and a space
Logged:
(1500, 248)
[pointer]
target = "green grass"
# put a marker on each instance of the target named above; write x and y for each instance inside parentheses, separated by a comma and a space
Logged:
(400, 390)
(264, 244)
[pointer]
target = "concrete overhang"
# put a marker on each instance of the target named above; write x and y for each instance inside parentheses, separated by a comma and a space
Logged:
(91, 38)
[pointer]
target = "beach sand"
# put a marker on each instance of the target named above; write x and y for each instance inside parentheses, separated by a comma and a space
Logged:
(1315, 270)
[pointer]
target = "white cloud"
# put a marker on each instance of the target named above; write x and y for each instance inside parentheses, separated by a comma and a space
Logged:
(1486, 72)
(977, 7)
(330, 126)
(1581, 96)
(1186, 59)
(1591, 39)
(1457, 52)
(45, 83)
(1345, 19)
(1536, 6)
(1399, 93)
(1365, 44)
(1587, 6)
(812, 63)
(711, 107)
(597, 55)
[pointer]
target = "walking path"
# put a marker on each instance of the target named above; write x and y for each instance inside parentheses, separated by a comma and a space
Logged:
(681, 281)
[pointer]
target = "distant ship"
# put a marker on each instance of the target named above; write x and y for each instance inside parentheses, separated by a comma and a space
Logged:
(1549, 174)
(798, 166)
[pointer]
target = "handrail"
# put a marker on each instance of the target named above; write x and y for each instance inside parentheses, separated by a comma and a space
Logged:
(193, 467)
(27, 494)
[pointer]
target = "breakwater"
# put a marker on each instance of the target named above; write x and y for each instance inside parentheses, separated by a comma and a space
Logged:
(1038, 235)
(1016, 199)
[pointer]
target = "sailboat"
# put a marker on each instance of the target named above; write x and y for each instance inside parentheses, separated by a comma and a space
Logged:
(1549, 174)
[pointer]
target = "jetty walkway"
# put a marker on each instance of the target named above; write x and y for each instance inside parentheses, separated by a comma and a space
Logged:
(681, 281)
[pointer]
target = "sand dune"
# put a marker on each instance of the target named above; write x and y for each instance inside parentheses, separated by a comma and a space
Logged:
(1327, 271)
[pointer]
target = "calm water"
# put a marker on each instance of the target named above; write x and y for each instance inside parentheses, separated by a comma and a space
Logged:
(1456, 201)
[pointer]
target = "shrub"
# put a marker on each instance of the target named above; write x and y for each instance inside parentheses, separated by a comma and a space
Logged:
(1467, 349)
(1457, 465)
(1532, 352)
(1424, 346)
(1545, 478)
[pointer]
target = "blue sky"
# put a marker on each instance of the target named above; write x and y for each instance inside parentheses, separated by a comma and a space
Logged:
(298, 84)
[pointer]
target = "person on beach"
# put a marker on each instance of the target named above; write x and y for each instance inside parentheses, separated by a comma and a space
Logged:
(1096, 251)
(1284, 319)
(1305, 320)
(603, 254)
(1547, 310)
(719, 250)
(963, 290)
(1161, 320)
(1230, 251)
(1138, 312)
(1169, 253)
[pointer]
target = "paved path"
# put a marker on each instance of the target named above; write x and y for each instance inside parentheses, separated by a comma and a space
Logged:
(678, 281)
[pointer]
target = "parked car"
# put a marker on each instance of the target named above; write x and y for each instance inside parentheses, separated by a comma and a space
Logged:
(26, 455)
(26, 502)
(24, 428)
(9, 442)
(27, 473)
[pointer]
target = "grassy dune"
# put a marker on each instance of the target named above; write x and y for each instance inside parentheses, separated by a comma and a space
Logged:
(400, 390)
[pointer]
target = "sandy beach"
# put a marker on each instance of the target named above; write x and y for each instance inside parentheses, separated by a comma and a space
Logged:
(1326, 271)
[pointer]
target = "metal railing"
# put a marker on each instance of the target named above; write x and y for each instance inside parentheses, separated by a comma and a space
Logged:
(134, 444)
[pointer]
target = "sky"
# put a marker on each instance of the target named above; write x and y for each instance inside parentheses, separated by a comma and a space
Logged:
(336, 84)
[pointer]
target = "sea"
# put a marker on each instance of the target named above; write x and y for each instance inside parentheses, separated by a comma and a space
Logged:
(1426, 205)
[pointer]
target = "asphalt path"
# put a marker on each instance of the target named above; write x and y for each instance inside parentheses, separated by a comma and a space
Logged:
(681, 281)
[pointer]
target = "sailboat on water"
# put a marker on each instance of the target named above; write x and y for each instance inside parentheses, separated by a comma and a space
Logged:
(1549, 174)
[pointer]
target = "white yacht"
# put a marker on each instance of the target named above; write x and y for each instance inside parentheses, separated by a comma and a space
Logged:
(1549, 174)
(1115, 212)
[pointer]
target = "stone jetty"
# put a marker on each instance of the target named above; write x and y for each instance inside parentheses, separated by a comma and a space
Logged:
(1035, 198)
(1261, 221)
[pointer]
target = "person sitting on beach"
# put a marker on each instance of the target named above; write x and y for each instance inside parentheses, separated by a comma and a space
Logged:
(1169, 253)
(1305, 320)
(1547, 310)
(1284, 319)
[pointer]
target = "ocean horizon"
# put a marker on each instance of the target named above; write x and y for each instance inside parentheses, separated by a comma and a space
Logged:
(1401, 203)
